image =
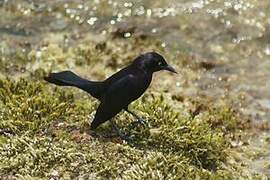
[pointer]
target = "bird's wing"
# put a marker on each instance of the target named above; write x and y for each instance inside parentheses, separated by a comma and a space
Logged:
(124, 90)
(118, 96)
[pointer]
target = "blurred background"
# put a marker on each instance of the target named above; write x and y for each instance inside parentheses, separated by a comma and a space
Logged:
(221, 48)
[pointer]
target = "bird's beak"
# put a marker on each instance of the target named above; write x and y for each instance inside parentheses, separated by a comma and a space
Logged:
(170, 68)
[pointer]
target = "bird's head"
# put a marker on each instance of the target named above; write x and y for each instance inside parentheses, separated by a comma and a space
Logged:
(153, 62)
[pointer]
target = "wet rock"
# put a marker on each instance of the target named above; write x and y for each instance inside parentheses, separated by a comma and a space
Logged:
(58, 24)
(11, 30)
(265, 103)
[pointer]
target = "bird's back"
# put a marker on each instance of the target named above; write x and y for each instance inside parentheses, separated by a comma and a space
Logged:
(118, 75)
(141, 78)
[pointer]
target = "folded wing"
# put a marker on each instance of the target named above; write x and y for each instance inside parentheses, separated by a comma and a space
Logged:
(117, 97)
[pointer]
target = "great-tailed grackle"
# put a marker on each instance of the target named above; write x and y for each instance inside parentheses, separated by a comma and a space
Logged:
(120, 89)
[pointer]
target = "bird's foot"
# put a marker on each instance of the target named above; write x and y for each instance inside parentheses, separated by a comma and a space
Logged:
(123, 136)
(142, 121)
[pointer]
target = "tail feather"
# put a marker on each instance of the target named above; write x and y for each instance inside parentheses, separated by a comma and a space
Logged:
(68, 78)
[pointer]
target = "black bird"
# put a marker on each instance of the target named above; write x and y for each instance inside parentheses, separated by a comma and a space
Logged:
(120, 89)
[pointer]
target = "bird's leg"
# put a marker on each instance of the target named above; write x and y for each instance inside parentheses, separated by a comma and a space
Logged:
(118, 131)
(139, 119)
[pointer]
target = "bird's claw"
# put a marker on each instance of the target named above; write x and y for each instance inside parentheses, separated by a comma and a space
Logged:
(123, 136)
(143, 122)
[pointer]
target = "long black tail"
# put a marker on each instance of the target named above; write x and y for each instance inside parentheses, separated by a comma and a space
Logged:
(68, 78)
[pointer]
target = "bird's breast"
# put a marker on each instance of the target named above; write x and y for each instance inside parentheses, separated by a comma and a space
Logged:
(143, 83)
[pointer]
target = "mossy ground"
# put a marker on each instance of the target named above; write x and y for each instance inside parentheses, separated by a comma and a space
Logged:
(45, 133)
(45, 129)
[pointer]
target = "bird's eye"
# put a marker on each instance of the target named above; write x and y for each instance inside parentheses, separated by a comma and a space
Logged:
(160, 63)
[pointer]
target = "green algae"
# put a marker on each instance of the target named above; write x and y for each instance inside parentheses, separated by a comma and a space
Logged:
(44, 133)
(29, 107)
